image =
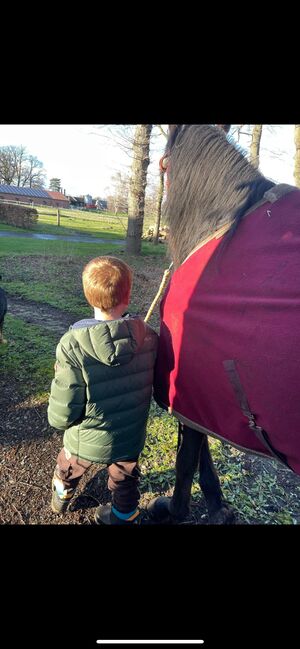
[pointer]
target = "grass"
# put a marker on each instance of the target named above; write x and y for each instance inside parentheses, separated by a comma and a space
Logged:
(76, 225)
(11, 228)
(56, 295)
(257, 498)
(50, 272)
(34, 269)
(13, 246)
(28, 356)
(74, 222)
(73, 226)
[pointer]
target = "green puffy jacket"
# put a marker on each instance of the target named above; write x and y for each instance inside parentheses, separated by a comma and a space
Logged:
(101, 392)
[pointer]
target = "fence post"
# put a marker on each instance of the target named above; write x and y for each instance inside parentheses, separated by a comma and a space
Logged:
(58, 217)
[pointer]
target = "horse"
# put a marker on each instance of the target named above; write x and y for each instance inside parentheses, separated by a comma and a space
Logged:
(228, 362)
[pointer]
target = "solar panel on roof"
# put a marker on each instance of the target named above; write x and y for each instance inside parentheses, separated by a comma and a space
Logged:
(23, 191)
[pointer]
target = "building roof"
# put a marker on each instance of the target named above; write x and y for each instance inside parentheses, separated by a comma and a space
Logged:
(24, 191)
(58, 196)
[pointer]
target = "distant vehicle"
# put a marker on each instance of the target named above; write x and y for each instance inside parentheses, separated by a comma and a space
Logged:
(101, 204)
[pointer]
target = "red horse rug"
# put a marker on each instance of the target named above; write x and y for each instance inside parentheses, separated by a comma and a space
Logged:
(229, 351)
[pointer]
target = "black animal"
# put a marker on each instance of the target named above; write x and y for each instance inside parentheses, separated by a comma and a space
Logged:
(3, 310)
(229, 352)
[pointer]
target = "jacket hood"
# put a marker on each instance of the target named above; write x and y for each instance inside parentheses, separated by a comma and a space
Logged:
(112, 342)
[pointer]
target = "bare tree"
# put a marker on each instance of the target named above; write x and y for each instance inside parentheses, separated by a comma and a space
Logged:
(33, 173)
(119, 197)
(124, 137)
(120, 136)
(138, 180)
(19, 168)
(165, 133)
(255, 145)
(7, 164)
(297, 155)
(21, 159)
(236, 129)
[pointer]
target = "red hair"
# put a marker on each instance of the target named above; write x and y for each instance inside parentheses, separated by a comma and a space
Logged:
(106, 282)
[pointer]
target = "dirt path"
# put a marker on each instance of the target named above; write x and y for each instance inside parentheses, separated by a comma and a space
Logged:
(38, 313)
(81, 238)
(28, 449)
(29, 446)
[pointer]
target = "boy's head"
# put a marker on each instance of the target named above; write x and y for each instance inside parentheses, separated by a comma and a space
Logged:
(107, 282)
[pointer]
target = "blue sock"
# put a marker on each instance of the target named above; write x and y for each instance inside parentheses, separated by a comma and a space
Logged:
(121, 515)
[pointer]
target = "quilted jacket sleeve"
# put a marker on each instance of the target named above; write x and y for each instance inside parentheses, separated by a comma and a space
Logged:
(68, 391)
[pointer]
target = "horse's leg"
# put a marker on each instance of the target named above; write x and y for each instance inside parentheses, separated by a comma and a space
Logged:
(186, 465)
(218, 511)
(176, 509)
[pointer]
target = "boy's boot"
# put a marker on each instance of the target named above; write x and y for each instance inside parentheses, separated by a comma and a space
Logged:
(123, 483)
(108, 515)
(60, 496)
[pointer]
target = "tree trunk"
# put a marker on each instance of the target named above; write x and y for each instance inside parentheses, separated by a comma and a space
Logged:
(297, 155)
(158, 213)
(255, 144)
(137, 188)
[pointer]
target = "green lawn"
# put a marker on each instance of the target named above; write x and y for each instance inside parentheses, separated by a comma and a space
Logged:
(71, 225)
(13, 246)
(50, 272)
(28, 356)
(73, 222)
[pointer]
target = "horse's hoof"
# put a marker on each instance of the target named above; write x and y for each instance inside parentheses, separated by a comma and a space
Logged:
(159, 509)
(224, 516)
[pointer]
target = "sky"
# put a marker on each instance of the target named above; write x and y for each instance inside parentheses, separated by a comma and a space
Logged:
(277, 151)
(82, 156)
(85, 157)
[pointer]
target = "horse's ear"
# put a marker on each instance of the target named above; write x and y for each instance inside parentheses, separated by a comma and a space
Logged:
(172, 128)
(224, 127)
(173, 131)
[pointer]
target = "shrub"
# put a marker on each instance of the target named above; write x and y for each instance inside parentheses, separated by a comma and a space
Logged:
(19, 216)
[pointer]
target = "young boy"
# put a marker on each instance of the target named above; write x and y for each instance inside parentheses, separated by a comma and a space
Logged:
(101, 393)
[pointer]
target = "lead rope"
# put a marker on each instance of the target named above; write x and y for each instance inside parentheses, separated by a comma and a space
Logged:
(164, 282)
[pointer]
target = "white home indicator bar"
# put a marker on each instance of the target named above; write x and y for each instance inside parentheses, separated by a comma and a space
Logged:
(150, 642)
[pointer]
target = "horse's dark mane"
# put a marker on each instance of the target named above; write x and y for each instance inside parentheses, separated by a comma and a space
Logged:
(211, 183)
